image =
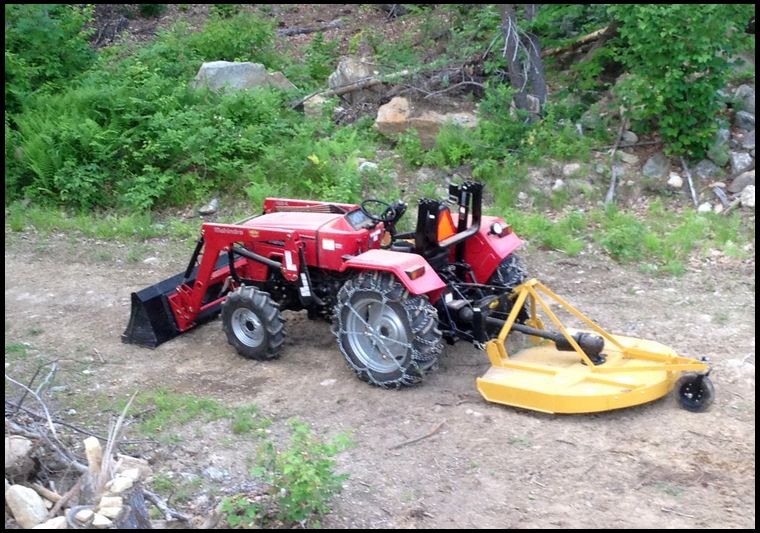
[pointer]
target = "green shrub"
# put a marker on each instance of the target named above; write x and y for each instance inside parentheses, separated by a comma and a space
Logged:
(677, 91)
(302, 479)
(152, 10)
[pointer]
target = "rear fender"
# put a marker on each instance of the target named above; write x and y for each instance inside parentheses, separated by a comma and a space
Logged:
(403, 265)
(484, 251)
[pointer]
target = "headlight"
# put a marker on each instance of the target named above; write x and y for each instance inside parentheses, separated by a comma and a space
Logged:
(497, 229)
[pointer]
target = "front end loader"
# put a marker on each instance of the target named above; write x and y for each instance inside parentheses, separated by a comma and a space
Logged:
(393, 298)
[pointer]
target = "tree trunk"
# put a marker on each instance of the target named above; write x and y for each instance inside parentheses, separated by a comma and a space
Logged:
(523, 53)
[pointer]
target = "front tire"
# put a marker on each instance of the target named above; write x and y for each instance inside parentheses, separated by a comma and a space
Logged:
(389, 337)
(253, 323)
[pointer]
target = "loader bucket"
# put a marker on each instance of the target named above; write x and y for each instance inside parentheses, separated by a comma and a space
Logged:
(545, 378)
(151, 321)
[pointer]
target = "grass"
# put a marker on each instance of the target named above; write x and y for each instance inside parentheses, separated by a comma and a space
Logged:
(658, 241)
(165, 410)
(17, 350)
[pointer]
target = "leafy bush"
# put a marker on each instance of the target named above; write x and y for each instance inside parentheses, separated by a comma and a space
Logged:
(677, 90)
(45, 44)
(152, 10)
(302, 479)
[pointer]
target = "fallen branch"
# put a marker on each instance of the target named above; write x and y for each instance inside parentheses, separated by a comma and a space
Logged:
(42, 491)
(691, 183)
(613, 179)
(593, 36)
(642, 143)
(666, 510)
(735, 202)
(73, 491)
(169, 513)
(288, 32)
(412, 441)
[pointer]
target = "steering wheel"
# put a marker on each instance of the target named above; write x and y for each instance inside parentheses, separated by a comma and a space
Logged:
(387, 216)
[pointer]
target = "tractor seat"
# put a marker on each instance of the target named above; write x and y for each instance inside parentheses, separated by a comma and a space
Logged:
(402, 246)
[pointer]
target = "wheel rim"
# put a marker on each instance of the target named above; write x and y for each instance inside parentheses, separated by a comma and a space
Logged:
(694, 393)
(376, 334)
(247, 327)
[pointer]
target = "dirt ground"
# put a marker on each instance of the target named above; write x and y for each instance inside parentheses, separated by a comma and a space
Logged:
(487, 466)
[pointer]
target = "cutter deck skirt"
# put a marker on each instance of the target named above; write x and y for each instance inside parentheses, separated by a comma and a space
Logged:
(545, 379)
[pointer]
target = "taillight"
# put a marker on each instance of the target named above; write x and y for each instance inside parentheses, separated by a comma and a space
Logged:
(415, 273)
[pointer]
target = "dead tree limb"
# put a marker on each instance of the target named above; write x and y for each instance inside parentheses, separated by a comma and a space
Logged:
(427, 435)
(288, 32)
(691, 183)
(613, 178)
(588, 38)
(169, 513)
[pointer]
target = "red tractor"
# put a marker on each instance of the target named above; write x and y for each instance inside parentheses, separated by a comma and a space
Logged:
(393, 298)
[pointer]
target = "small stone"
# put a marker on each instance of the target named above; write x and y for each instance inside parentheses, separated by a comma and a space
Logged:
(705, 208)
(630, 159)
(522, 196)
(111, 512)
(367, 166)
(210, 208)
(571, 169)
(558, 185)
(748, 141)
(111, 501)
(59, 522)
(151, 261)
(101, 522)
(26, 505)
(629, 137)
(215, 474)
(675, 181)
(313, 106)
(748, 196)
(119, 484)
(718, 209)
(656, 166)
(328, 383)
(84, 516)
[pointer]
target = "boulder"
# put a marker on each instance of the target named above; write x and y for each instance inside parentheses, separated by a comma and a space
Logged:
(314, 106)
(748, 141)
(741, 181)
(706, 170)
(746, 95)
(675, 181)
(18, 461)
(398, 115)
(229, 76)
(718, 151)
(744, 120)
(629, 137)
(352, 70)
(656, 166)
(740, 161)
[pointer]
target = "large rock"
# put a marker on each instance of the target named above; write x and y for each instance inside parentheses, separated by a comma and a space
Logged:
(18, 461)
(741, 181)
(352, 70)
(229, 76)
(706, 170)
(27, 506)
(740, 161)
(718, 151)
(656, 166)
(746, 95)
(745, 120)
(398, 115)
(748, 141)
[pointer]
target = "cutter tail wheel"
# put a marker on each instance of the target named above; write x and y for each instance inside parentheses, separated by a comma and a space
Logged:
(695, 392)
(389, 337)
(253, 323)
(584, 371)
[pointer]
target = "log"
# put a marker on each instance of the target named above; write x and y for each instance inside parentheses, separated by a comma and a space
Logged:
(590, 37)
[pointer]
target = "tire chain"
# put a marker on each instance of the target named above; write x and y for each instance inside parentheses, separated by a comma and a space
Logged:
(422, 361)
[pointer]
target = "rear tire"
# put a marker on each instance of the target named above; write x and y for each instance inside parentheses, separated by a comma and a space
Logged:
(389, 337)
(253, 323)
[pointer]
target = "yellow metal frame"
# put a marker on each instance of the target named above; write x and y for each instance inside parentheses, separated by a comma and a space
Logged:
(543, 378)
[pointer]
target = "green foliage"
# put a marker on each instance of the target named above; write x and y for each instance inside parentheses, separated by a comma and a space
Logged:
(302, 479)
(45, 45)
(677, 90)
(225, 10)
(152, 10)
(320, 57)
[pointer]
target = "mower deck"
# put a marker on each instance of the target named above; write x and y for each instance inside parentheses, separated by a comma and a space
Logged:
(545, 379)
